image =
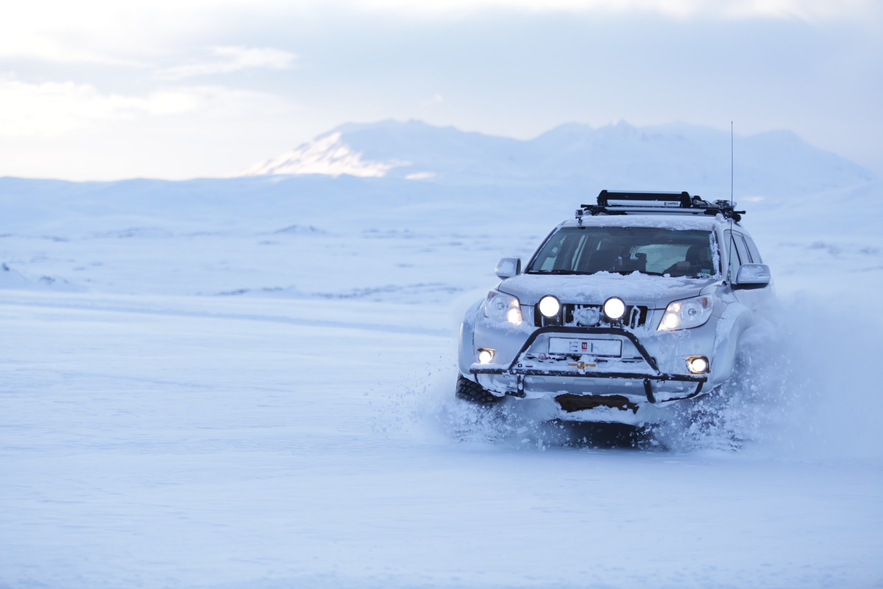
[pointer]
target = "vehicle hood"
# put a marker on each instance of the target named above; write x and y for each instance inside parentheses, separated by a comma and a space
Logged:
(635, 289)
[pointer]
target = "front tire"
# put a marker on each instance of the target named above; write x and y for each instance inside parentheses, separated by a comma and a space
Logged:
(474, 392)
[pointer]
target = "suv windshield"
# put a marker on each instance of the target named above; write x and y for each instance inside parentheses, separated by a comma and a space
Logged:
(649, 250)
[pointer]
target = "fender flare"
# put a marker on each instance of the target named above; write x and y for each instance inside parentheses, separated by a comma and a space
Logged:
(735, 319)
(466, 348)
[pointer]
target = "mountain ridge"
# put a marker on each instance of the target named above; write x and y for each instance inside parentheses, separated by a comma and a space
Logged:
(488, 180)
(647, 157)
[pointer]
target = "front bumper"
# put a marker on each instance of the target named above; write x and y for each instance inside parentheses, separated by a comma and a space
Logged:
(635, 371)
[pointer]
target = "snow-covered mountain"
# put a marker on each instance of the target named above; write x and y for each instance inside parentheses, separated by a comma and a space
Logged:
(675, 156)
(394, 175)
(325, 155)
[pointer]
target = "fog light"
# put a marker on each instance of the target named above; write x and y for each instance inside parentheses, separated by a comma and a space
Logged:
(614, 308)
(549, 306)
(697, 364)
(485, 356)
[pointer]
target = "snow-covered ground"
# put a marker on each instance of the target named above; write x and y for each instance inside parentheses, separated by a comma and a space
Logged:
(248, 384)
(161, 441)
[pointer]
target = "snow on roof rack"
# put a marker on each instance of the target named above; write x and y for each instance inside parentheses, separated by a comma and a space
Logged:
(631, 203)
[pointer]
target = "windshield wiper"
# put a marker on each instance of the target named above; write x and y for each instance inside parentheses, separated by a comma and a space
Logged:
(556, 271)
(622, 272)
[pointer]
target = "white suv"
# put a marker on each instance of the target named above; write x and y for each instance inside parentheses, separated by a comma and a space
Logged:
(638, 302)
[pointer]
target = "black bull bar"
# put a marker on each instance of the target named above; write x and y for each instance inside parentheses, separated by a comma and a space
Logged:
(657, 375)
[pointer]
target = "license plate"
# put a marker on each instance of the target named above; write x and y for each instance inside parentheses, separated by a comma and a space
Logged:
(594, 347)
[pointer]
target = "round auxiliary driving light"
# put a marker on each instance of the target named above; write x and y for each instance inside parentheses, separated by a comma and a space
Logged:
(549, 306)
(698, 364)
(614, 308)
(485, 356)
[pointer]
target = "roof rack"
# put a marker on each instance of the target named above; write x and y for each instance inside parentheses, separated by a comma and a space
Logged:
(631, 203)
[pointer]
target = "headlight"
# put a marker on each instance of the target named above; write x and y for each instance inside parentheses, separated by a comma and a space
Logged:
(686, 314)
(502, 307)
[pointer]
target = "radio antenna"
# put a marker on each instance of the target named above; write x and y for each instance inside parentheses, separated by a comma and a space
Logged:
(730, 238)
(731, 163)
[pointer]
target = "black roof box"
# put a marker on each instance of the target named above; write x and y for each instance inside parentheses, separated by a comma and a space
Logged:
(679, 200)
(640, 203)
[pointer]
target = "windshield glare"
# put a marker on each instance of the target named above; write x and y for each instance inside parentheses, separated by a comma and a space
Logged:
(649, 250)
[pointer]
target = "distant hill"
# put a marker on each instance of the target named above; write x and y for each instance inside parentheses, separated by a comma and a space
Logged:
(394, 175)
(675, 156)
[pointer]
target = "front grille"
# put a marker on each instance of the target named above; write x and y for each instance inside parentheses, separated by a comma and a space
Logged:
(570, 315)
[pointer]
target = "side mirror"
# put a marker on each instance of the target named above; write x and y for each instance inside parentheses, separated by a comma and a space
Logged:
(752, 276)
(508, 267)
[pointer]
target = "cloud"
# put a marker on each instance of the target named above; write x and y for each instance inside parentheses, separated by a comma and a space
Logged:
(127, 33)
(232, 59)
(435, 99)
(420, 176)
(46, 48)
(50, 109)
(726, 9)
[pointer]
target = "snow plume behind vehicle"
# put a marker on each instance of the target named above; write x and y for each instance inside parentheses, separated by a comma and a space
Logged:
(809, 390)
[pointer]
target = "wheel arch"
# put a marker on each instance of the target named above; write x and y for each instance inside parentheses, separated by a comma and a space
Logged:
(466, 353)
(728, 333)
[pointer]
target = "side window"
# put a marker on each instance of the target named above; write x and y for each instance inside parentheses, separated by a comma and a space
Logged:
(742, 249)
(561, 252)
(550, 252)
(752, 249)
(737, 253)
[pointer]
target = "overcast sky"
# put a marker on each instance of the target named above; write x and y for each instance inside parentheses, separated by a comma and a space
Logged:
(197, 88)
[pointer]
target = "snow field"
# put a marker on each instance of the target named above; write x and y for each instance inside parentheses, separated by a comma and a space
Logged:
(235, 445)
(200, 396)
